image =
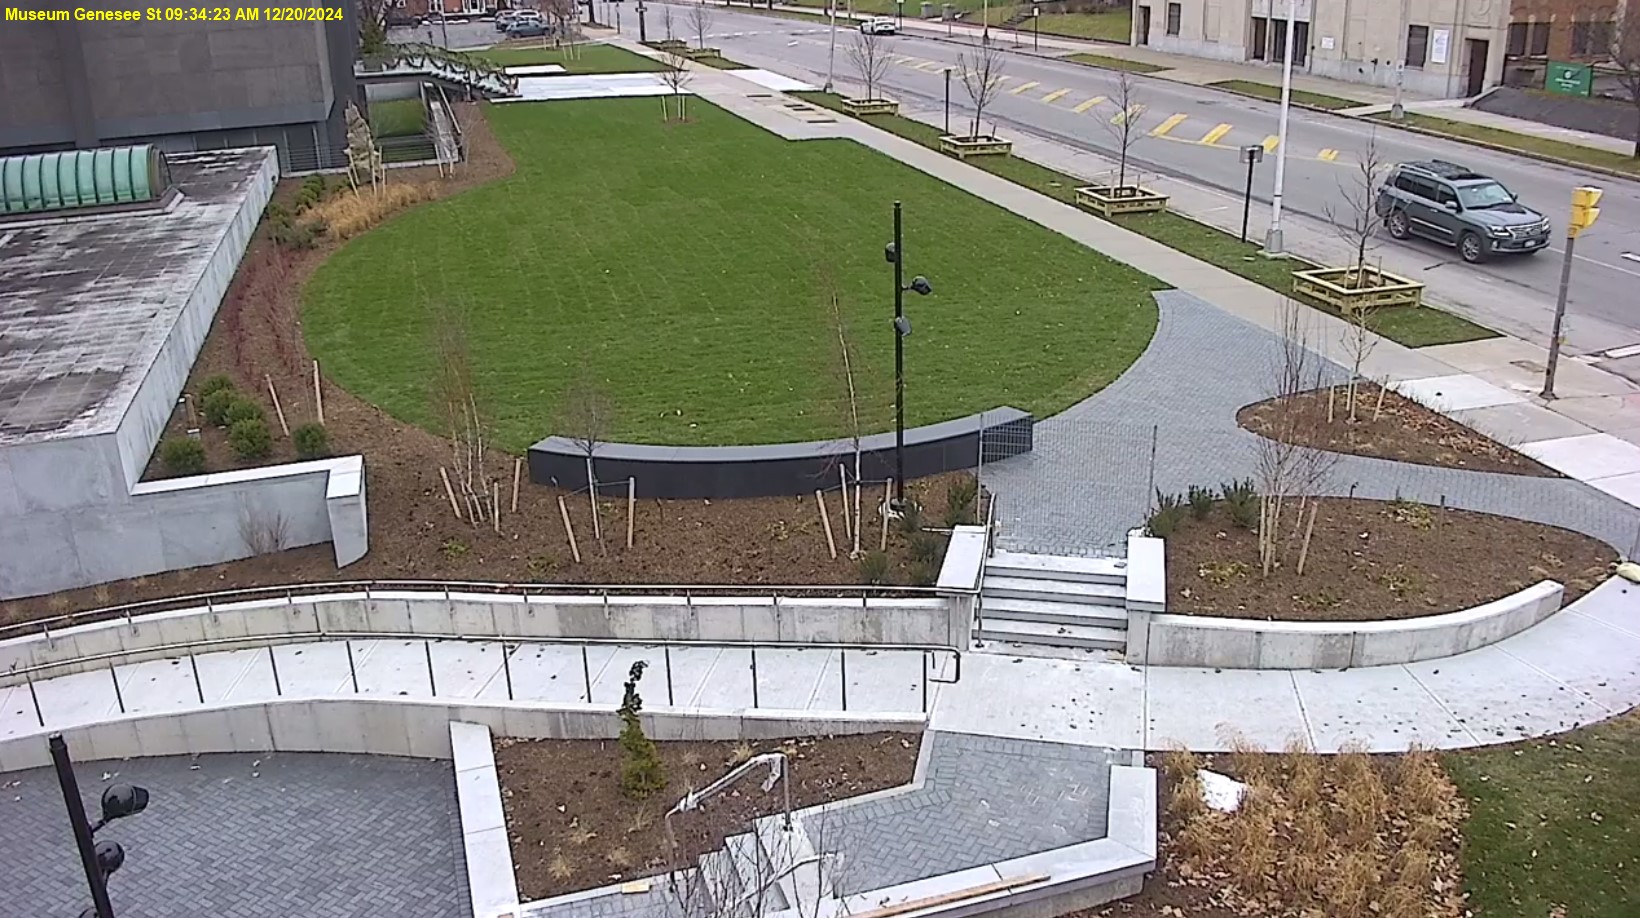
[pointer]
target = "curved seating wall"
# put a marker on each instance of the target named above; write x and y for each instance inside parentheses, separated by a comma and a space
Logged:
(781, 469)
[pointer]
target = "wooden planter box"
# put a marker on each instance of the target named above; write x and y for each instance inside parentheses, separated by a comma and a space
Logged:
(670, 44)
(1120, 199)
(871, 106)
(1338, 287)
(700, 54)
(964, 147)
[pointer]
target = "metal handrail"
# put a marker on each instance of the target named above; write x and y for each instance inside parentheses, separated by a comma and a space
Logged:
(290, 591)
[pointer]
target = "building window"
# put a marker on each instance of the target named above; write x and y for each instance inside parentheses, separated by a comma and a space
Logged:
(1261, 38)
(1539, 39)
(1580, 38)
(1517, 39)
(1175, 12)
(1417, 45)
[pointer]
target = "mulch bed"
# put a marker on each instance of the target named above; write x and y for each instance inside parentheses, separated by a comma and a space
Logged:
(1375, 560)
(1399, 429)
(573, 829)
(413, 532)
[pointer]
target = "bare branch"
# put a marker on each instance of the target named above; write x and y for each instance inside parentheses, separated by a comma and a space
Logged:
(675, 74)
(1355, 219)
(1123, 126)
(869, 54)
(455, 399)
(981, 72)
(1625, 53)
(1286, 471)
(263, 531)
(700, 22)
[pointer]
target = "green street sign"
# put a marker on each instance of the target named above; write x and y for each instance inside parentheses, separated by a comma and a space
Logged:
(1569, 79)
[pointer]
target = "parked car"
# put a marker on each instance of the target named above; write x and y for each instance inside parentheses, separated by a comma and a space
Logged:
(880, 25)
(504, 19)
(1456, 206)
(527, 28)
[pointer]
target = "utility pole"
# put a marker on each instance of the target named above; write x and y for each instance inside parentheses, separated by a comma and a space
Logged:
(1585, 211)
(948, 101)
(1397, 111)
(1273, 241)
(831, 48)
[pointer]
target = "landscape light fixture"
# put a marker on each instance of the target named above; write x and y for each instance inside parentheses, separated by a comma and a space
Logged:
(100, 859)
(893, 254)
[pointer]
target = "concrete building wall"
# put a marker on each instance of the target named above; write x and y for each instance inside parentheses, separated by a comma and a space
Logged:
(1355, 40)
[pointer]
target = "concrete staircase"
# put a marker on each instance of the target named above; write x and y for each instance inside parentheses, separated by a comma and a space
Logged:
(1053, 601)
(769, 870)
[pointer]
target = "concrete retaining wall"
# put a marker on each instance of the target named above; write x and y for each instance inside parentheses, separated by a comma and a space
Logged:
(411, 727)
(929, 620)
(1235, 643)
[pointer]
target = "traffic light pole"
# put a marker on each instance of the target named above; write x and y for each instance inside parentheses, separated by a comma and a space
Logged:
(1560, 317)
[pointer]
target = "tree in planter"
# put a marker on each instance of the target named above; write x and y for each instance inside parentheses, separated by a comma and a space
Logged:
(981, 72)
(587, 415)
(675, 74)
(1355, 220)
(1123, 128)
(869, 54)
(700, 22)
(1625, 52)
(666, 23)
(642, 772)
(1288, 473)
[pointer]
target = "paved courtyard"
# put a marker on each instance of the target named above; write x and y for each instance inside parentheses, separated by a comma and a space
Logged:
(246, 836)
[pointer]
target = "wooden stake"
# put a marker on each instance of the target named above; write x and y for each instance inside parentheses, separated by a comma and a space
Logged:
(888, 489)
(274, 394)
(597, 528)
(193, 416)
(1309, 530)
(631, 507)
(450, 492)
(518, 470)
(563, 510)
(318, 394)
(857, 521)
(1331, 391)
(1264, 535)
(495, 500)
(825, 520)
(1378, 407)
(848, 532)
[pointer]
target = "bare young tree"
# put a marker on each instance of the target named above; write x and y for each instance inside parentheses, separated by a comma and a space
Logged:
(586, 418)
(869, 55)
(1354, 219)
(1625, 53)
(666, 22)
(675, 74)
(700, 22)
(1123, 127)
(455, 398)
(844, 368)
(981, 72)
(565, 16)
(1287, 471)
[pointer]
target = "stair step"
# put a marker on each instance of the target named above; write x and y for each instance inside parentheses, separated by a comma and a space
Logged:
(1058, 567)
(1084, 636)
(1092, 594)
(1052, 613)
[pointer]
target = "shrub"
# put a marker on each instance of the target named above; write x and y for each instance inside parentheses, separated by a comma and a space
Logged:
(347, 215)
(312, 442)
(243, 409)
(215, 384)
(910, 518)
(961, 501)
(1201, 501)
(924, 573)
(927, 548)
(642, 773)
(215, 406)
(1169, 512)
(182, 455)
(250, 439)
(1241, 499)
(873, 567)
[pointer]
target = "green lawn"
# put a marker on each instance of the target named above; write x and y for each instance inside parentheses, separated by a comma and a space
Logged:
(1411, 327)
(396, 118)
(1554, 823)
(590, 59)
(1558, 149)
(1114, 26)
(689, 266)
(1266, 91)
(1113, 63)
(722, 63)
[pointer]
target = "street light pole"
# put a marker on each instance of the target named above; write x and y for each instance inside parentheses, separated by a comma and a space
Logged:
(831, 48)
(1273, 241)
(899, 363)
(82, 826)
(1584, 214)
(1251, 155)
(948, 101)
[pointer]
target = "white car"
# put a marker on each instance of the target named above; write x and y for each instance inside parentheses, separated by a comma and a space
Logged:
(881, 25)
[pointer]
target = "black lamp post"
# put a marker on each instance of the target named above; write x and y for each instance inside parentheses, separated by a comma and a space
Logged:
(895, 253)
(100, 859)
(948, 101)
(643, 34)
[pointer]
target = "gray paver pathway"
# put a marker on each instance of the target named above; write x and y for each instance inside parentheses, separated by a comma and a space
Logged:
(1088, 479)
(246, 836)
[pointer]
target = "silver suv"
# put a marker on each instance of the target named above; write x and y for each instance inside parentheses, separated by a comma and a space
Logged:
(1459, 207)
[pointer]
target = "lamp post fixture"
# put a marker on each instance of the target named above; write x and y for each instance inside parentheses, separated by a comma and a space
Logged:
(948, 101)
(894, 252)
(643, 33)
(100, 859)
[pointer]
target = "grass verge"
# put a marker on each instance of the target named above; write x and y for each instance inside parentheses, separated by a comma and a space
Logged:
(1543, 146)
(589, 59)
(1420, 327)
(1113, 63)
(1554, 824)
(1266, 91)
(396, 118)
(690, 268)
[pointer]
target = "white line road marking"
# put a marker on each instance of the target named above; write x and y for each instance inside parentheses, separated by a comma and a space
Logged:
(1630, 256)
(1618, 353)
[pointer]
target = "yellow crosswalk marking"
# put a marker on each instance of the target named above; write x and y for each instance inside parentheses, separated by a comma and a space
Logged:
(1172, 122)
(1328, 156)
(1084, 106)
(1217, 134)
(930, 66)
(1024, 86)
(1132, 112)
(1056, 95)
(1270, 143)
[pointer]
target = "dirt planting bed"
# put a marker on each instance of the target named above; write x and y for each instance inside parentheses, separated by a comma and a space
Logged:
(573, 829)
(1392, 428)
(1374, 560)
(414, 534)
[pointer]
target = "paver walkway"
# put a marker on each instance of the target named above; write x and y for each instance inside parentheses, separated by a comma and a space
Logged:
(246, 836)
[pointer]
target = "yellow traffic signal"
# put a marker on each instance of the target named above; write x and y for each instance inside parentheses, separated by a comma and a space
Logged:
(1584, 209)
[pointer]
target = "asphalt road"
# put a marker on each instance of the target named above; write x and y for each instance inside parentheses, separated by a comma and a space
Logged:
(1195, 134)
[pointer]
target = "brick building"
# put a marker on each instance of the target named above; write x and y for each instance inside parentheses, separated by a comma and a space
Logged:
(1566, 30)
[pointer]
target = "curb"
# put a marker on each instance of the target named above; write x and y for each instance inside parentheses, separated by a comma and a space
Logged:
(1499, 148)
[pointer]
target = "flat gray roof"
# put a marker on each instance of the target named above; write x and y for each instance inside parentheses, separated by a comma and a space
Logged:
(86, 302)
